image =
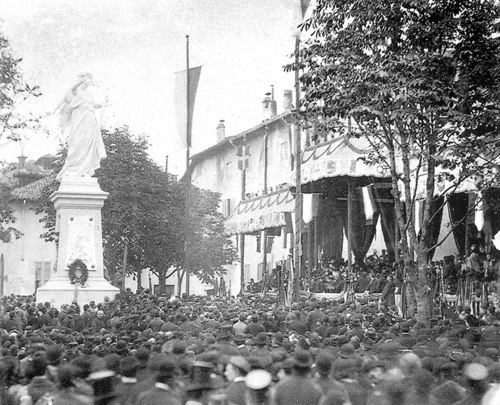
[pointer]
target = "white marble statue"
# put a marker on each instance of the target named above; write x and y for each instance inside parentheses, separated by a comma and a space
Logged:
(79, 119)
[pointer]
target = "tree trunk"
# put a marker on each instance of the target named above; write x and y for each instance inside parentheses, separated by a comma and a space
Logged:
(423, 289)
(411, 281)
(162, 282)
(180, 276)
(138, 276)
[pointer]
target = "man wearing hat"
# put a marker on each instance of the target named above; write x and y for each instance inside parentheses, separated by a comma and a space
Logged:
(162, 393)
(240, 326)
(254, 327)
(201, 383)
(121, 348)
(325, 380)
(476, 376)
(260, 342)
(299, 388)
(258, 383)
(236, 370)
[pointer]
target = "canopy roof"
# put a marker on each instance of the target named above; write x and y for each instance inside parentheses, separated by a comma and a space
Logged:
(339, 157)
(256, 214)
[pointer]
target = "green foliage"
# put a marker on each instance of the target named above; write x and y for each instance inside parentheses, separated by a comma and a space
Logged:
(145, 210)
(419, 80)
(7, 218)
(208, 248)
(13, 91)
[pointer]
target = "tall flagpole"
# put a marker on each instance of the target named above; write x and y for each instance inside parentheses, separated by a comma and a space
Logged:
(188, 176)
(298, 182)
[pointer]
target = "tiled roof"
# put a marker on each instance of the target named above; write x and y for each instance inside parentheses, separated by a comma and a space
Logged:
(32, 191)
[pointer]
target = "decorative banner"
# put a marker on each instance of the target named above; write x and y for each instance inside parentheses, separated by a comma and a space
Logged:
(496, 240)
(418, 208)
(479, 214)
(256, 214)
(181, 99)
(368, 202)
(309, 207)
(339, 157)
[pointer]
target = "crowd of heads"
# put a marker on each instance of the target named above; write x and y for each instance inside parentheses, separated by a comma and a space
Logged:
(140, 347)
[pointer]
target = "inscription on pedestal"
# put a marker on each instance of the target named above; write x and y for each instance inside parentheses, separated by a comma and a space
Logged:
(81, 241)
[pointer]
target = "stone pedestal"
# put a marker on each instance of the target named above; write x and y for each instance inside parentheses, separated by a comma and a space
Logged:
(78, 203)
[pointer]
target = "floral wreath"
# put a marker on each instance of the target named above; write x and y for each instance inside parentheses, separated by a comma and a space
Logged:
(73, 267)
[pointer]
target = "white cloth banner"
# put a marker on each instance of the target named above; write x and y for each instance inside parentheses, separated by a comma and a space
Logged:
(418, 204)
(309, 207)
(479, 214)
(368, 203)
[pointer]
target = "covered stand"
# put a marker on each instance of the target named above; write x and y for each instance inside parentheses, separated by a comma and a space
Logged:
(354, 195)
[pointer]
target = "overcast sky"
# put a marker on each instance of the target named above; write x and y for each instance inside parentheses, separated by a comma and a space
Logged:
(134, 47)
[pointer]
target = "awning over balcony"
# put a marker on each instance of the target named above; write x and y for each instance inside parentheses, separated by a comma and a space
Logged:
(339, 157)
(267, 211)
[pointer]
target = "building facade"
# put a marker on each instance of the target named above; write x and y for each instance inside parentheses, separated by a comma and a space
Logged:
(252, 172)
(28, 262)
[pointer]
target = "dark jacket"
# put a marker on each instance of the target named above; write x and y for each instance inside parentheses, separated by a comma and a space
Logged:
(235, 392)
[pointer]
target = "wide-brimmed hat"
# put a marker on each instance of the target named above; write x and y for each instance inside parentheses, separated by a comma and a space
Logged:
(475, 372)
(240, 362)
(223, 333)
(121, 347)
(200, 376)
(261, 339)
(103, 384)
(258, 380)
(302, 359)
(239, 339)
(347, 350)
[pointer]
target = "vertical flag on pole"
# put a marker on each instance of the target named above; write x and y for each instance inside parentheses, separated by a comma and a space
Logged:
(479, 212)
(182, 97)
(368, 203)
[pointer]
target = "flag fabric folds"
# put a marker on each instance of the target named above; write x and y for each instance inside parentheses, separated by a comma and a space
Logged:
(368, 203)
(479, 213)
(181, 99)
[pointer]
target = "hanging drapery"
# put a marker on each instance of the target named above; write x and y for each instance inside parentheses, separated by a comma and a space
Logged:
(363, 229)
(458, 206)
(388, 219)
(436, 215)
(330, 228)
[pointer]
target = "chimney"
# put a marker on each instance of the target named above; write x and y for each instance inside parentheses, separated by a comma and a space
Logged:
(221, 131)
(21, 161)
(287, 100)
(274, 107)
(266, 107)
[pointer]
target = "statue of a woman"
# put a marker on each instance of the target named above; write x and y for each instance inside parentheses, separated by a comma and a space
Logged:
(78, 117)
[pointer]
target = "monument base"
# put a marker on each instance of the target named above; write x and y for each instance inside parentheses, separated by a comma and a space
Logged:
(78, 203)
(61, 292)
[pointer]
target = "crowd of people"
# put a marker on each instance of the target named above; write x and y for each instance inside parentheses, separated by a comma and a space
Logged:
(140, 348)
(472, 278)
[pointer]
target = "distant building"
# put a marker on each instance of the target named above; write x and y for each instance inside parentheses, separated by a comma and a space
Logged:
(252, 172)
(28, 262)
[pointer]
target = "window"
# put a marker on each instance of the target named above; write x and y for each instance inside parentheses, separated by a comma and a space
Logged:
(226, 207)
(169, 289)
(284, 152)
(42, 273)
(260, 269)
(228, 169)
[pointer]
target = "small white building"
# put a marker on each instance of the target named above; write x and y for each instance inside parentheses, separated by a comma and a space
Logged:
(28, 262)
